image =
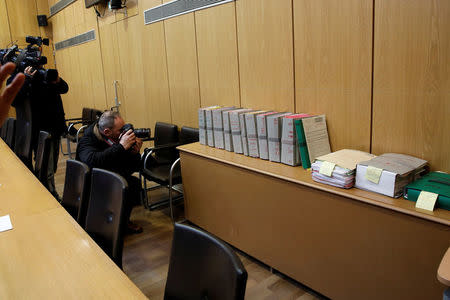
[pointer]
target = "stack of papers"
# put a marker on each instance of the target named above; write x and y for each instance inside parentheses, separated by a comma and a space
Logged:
(338, 168)
(389, 173)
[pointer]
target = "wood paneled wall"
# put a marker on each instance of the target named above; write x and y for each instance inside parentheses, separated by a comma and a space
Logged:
(411, 96)
(378, 69)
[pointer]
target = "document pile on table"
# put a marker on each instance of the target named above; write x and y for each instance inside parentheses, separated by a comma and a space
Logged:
(338, 168)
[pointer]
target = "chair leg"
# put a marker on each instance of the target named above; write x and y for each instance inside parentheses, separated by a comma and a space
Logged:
(68, 148)
(170, 187)
(62, 150)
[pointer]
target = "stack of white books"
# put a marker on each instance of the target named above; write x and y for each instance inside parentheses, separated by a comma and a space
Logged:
(338, 168)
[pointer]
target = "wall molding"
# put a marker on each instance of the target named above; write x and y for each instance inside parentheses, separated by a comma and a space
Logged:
(178, 7)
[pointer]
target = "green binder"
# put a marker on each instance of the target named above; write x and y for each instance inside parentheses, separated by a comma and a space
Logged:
(304, 155)
(434, 182)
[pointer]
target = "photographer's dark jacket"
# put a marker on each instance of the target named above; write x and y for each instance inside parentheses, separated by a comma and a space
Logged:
(94, 151)
(41, 103)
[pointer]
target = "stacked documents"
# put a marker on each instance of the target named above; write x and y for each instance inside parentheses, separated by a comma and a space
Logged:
(338, 168)
(389, 173)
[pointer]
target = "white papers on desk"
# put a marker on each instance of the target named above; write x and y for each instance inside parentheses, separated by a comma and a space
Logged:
(341, 177)
(5, 223)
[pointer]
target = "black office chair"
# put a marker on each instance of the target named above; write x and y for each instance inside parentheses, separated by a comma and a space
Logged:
(105, 214)
(74, 131)
(4, 131)
(22, 144)
(10, 133)
(42, 158)
(203, 267)
(158, 160)
(188, 135)
(76, 190)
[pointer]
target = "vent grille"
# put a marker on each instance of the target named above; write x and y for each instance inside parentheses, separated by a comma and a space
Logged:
(178, 7)
(59, 6)
(76, 40)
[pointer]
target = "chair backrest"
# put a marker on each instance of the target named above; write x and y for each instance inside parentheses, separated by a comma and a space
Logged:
(76, 190)
(42, 157)
(22, 144)
(95, 115)
(11, 132)
(4, 131)
(188, 135)
(203, 267)
(105, 214)
(86, 115)
(166, 134)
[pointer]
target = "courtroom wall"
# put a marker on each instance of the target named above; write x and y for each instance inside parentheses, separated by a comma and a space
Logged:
(378, 69)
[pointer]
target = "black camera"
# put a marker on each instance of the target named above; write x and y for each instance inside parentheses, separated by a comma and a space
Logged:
(142, 133)
(30, 56)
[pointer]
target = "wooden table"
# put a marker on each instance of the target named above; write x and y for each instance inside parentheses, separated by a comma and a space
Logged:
(345, 244)
(443, 273)
(47, 255)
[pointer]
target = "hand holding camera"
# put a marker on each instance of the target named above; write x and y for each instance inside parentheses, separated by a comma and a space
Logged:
(128, 139)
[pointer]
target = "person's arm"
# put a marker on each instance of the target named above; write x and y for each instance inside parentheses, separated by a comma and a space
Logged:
(106, 159)
(61, 86)
(8, 94)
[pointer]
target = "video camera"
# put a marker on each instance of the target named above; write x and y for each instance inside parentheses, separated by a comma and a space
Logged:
(142, 133)
(30, 56)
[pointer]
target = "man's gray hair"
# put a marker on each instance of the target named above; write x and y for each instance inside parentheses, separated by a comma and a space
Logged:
(107, 120)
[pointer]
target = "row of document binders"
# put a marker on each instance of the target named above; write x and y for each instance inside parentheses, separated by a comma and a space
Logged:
(293, 139)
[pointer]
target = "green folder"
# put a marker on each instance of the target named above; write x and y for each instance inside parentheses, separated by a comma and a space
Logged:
(434, 182)
(304, 155)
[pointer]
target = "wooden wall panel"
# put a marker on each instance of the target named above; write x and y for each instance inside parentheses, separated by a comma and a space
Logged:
(266, 54)
(134, 106)
(5, 34)
(333, 58)
(412, 80)
(154, 62)
(22, 20)
(182, 68)
(111, 63)
(217, 55)
(42, 7)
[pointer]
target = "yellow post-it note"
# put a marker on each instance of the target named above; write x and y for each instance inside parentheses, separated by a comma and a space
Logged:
(373, 174)
(426, 200)
(326, 168)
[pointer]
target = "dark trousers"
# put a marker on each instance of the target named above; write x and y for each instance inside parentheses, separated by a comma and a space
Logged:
(134, 195)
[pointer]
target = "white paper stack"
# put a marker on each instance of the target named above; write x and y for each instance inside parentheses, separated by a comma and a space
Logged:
(252, 133)
(218, 126)
(274, 126)
(235, 126)
(202, 124)
(261, 126)
(389, 173)
(343, 173)
(290, 153)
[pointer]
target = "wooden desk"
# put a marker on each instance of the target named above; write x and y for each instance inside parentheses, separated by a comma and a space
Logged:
(47, 255)
(346, 244)
(443, 273)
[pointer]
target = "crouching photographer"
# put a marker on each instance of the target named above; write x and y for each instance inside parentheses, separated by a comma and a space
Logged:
(112, 145)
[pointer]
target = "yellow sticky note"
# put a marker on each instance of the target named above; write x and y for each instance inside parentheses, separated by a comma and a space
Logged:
(426, 200)
(326, 168)
(373, 174)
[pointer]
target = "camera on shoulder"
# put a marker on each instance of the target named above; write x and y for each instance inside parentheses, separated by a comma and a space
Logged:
(30, 56)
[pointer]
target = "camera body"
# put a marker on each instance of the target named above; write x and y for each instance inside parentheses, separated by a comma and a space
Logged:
(30, 56)
(142, 133)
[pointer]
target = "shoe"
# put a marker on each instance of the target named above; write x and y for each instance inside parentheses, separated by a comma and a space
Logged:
(134, 228)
